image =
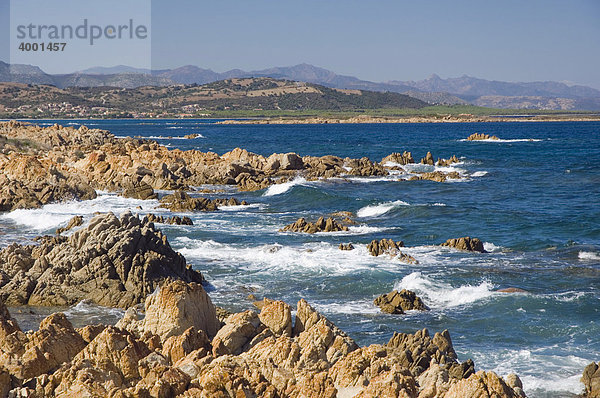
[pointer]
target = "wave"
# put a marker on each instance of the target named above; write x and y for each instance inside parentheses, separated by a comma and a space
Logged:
(347, 307)
(440, 295)
(85, 313)
(54, 215)
(583, 255)
(479, 173)
(492, 248)
(382, 208)
(259, 206)
(504, 141)
(278, 189)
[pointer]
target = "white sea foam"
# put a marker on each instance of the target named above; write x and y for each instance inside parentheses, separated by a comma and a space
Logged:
(379, 209)
(243, 207)
(278, 189)
(160, 137)
(500, 141)
(316, 257)
(492, 248)
(347, 307)
(56, 214)
(441, 295)
(479, 173)
(588, 255)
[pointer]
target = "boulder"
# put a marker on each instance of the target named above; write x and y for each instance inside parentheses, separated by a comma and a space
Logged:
(396, 302)
(238, 331)
(173, 220)
(181, 201)
(482, 384)
(346, 246)
(112, 261)
(591, 380)
(76, 221)
(321, 225)
(139, 190)
(481, 136)
(428, 159)
(277, 316)
(466, 243)
(403, 158)
(384, 246)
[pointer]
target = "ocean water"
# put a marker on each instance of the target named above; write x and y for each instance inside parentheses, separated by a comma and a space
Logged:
(532, 197)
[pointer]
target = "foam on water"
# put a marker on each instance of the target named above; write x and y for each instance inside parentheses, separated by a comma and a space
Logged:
(501, 141)
(278, 189)
(439, 295)
(56, 214)
(492, 248)
(320, 257)
(479, 173)
(348, 307)
(379, 209)
(259, 206)
(583, 255)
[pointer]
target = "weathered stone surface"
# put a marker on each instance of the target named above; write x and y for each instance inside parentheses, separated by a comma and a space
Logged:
(76, 221)
(391, 248)
(277, 316)
(173, 309)
(428, 159)
(481, 136)
(321, 225)
(173, 220)
(403, 158)
(181, 201)
(466, 243)
(481, 384)
(238, 331)
(396, 302)
(139, 190)
(346, 246)
(111, 261)
(591, 380)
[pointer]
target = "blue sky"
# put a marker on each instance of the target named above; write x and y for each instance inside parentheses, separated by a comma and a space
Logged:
(381, 40)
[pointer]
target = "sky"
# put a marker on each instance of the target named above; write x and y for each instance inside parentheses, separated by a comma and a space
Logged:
(378, 40)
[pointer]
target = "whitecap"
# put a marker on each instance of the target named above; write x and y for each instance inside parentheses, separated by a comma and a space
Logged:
(490, 247)
(259, 206)
(379, 209)
(583, 255)
(441, 295)
(278, 189)
(479, 173)
(500, 141)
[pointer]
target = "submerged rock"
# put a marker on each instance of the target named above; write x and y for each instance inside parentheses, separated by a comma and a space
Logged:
(111, 261)
(466, 243)
(396, 302)
(321, 225)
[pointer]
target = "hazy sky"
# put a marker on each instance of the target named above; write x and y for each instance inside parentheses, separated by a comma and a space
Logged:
(381, 40)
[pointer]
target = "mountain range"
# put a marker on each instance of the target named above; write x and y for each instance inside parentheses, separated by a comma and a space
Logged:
(434, 90)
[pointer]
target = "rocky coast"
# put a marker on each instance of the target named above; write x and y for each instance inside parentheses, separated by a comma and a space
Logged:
(172, 340)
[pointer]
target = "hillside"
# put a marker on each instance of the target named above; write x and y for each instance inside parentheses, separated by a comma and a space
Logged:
(249, 94)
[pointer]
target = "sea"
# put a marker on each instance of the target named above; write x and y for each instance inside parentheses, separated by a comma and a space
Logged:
(533, 197)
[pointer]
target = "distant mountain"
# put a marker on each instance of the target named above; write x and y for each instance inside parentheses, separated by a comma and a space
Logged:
(469, 87)
(434, 90)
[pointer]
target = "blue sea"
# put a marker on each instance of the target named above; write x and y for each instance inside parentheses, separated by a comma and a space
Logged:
(533, 197)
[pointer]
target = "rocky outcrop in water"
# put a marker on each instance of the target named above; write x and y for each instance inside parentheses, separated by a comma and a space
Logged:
(396, 302)
(173, 220)
(139, 190)
(466, 243)
(321, 225)
(591, 380)
(181, 201)
(391, 248)
(112, 261)
(481, 136)
(346, 246)
(76, 221)
(168, 350)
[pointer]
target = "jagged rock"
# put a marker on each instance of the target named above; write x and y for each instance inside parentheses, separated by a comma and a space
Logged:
(364, 167)
(111, 261)
(428, 159)
(481, 384)
(177, 347)
(403, 158)
(346, 246)
(139, 190)
(239, 330)
(466, 243)
(76, 221)
(438, 176)
(277, 316)
(181, 201)
(174, 308)
(173, 220)
(321, 225)
(447, 162)
(396, 302)
(384, 246)
(591, 380)
(191, 136)
(481, 136)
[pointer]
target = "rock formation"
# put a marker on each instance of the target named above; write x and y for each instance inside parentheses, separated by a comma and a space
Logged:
(591, 380)
(321, 225)
(167, 351)
(346, 246)
(481, 136)
(396, 302)
(466, 243)
(391, 248)
(111, 261)
(173, 220)
(181, 201)
(76, 221)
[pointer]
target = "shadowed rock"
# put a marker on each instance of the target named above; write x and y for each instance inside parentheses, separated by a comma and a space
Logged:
(398, 302)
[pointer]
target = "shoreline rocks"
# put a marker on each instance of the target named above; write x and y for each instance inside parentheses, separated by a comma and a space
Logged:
(169, 350)
(396, 302)
(465, 244)
(173, 220)
(321, 225)
(181, 201)
(591, 380)
(388, 246)
(112, 261)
